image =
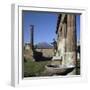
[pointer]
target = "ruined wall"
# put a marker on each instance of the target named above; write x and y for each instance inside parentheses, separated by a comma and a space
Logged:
(28, 52)
(46, 52)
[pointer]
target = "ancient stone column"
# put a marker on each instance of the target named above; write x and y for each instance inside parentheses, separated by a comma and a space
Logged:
(64, 42)
(71, 42)
(31, 36)
(29, 53)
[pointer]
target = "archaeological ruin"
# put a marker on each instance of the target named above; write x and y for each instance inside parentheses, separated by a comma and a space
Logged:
(64, 55)
(66, 40)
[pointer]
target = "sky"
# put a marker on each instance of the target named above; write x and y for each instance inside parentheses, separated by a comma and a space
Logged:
(44, 26)
(78, 27)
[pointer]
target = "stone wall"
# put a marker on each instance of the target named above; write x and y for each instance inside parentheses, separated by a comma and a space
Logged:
(28, 54)
(46, 52)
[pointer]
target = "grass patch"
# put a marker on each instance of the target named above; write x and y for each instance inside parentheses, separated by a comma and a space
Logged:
(33, 68)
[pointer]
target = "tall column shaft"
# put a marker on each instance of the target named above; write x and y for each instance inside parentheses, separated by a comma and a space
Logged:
(32, 37)
(71, 41)
(71, 37)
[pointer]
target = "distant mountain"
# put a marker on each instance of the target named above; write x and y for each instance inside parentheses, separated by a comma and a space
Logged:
(43, 45)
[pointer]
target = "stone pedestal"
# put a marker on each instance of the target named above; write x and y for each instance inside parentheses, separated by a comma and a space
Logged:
(56, 60)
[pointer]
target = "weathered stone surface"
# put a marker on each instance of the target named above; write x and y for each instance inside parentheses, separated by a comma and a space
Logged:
(67, 40)
(28, 54)
(46, 52)
(70, 41)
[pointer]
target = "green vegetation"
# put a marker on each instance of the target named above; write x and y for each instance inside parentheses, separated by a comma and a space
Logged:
(32, 68)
